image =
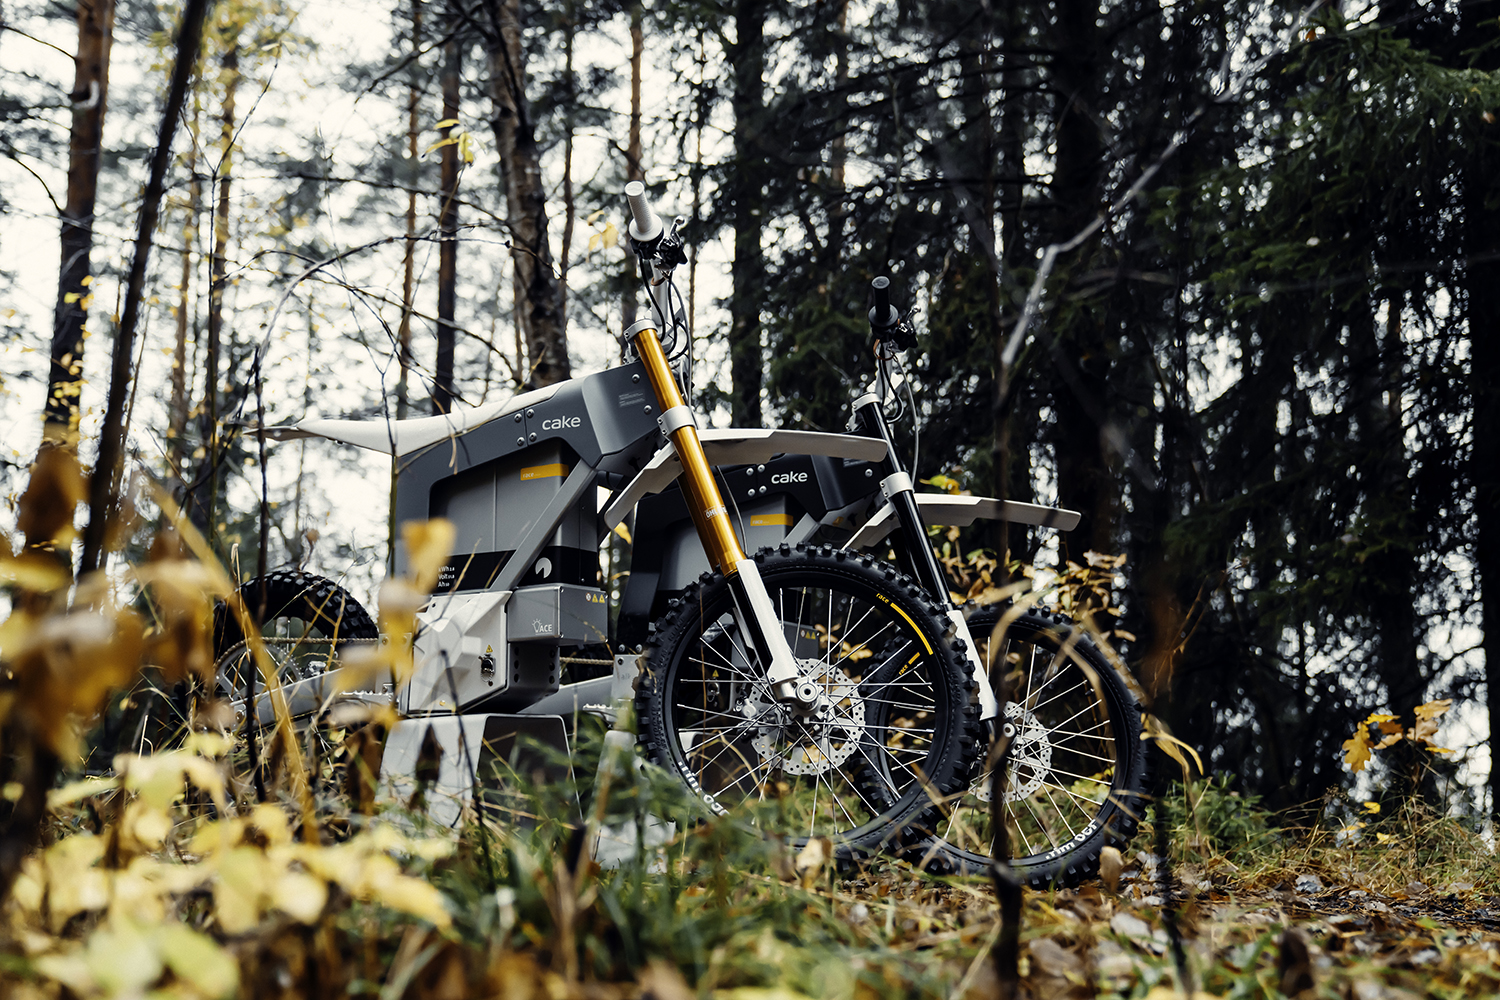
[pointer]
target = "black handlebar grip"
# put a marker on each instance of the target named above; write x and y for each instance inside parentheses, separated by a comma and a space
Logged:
(882, 316)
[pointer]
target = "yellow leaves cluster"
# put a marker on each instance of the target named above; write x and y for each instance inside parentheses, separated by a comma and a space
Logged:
(122, 958)
(428, 545)
(252, 866)
(259, 867)
(463, 139)
(65, 664)
(1359, 747)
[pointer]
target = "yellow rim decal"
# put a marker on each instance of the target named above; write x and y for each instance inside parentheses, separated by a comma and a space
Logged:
(544, 471)
(920, 634)
(767, 520)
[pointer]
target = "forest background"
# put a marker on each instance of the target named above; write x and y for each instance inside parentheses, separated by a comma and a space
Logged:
(1269, 380)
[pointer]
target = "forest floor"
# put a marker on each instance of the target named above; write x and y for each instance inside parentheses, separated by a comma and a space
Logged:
(145, 893)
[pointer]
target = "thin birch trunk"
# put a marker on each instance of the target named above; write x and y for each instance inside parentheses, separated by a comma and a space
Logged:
(442, 389)
(207, 492)
(633, 158)
(96, 20)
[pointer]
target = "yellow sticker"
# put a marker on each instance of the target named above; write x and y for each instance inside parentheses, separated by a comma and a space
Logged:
(544, 471)
(767, 520)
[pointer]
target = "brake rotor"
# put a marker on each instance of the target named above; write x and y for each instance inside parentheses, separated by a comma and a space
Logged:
(1029, 760)
(823, 740)
(283, 656)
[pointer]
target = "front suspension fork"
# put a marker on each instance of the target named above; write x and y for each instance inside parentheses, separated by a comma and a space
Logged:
(920, 560)
(711, 519)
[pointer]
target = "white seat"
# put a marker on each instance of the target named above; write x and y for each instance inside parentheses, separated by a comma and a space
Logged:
(402, 437)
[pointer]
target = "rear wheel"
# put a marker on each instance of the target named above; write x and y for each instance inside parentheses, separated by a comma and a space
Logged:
(891, 735)
(307, 620)
(1076, 774)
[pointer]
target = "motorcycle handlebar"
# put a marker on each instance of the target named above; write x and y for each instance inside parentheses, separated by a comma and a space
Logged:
(882, 317)
(644, 224)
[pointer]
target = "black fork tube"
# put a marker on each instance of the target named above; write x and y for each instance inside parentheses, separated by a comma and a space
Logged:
(921, 562)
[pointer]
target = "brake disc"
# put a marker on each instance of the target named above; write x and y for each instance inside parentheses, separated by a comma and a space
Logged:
(1029, 760)
(827, 737)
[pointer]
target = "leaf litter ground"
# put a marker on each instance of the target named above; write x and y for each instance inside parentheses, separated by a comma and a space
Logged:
(138, 896)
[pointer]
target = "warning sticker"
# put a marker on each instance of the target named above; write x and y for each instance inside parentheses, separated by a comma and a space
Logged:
(544, 471)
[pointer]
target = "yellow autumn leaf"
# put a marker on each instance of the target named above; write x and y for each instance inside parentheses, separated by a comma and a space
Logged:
(1372, 807)
(428, 545)
(466, 146)
(1433, 709)
(239, 889)
(1357, 750)
(945, 483)
(446, 123)
(77, 791)
(272, 823)
(148, 824)
(610, 235)
(71, 970)
(198, 959)
(34, 572)
(300, 896)
(121, 959)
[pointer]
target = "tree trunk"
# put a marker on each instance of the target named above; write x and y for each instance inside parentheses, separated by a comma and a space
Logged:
(206, 493)
(539, 304)
(408, 271)
(178, 408)
(1482, 300)
(442, 388)
(1084, 477)
(570, 208)
(633, 160)
(96, 21)
(746, 362)
(103, 488)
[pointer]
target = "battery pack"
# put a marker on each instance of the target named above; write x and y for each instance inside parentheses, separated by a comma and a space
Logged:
(562, 614)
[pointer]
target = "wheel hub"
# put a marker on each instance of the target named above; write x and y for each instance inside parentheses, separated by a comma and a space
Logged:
(1029, 760)
(815, 740)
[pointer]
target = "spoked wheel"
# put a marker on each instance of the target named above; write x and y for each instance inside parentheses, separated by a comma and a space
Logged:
(308, 619)
(890, 736)
(1076, 773)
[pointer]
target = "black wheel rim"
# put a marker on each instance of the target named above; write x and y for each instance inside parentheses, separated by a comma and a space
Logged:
(1063, 771)
(844, 775)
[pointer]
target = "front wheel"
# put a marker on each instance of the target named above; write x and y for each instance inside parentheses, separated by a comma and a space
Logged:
(1076, 774)
(891, 736)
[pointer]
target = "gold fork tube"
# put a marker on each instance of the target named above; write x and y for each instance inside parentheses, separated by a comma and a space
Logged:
(705, 503)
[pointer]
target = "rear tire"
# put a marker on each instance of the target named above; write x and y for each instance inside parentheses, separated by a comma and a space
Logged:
(307, 620)
(1077, 771)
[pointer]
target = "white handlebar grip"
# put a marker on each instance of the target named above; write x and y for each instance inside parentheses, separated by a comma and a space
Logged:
(644, 226)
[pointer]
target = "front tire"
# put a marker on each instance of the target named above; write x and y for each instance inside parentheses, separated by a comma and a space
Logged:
(892, 736)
